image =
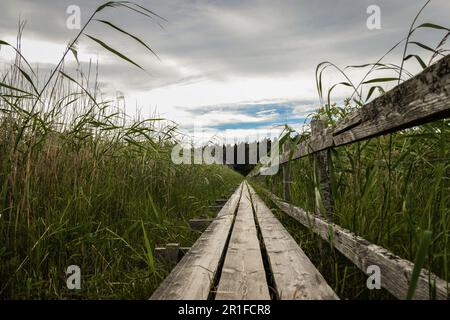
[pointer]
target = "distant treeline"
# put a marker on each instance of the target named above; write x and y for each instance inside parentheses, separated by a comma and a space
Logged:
(244, 156)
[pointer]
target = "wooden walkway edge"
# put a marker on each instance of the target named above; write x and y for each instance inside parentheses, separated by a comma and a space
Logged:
(194, 275)
(298, 279)
(395, 271)
(243, 276)
(245, 254)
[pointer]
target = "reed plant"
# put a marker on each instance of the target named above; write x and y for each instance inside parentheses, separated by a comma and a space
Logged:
(393, 190)
(84, 184)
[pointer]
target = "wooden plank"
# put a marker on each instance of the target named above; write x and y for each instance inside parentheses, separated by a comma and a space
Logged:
(324, 200)
(419, 100)
(215, 208)
(286, 178)
(221, 201)
(199, 224)
(193, 276)
(395, 271)
(321, 141)
(294, 275)
(243, 276)
(163, 254)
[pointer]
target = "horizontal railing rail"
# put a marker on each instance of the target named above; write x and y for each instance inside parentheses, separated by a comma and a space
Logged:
(419, 100)
(396, 272)
(422, 99)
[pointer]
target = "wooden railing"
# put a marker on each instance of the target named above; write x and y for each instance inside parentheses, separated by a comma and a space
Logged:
(420, 100)
(244, 254)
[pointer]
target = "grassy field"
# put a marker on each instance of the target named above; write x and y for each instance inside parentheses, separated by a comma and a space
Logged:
(84, 184)
(389, 190)
(100, 196)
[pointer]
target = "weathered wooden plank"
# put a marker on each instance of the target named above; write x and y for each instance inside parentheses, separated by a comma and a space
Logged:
(166, 253)
(221, 201)
(295, 277)
(193, 276)
(215, 208)
(199, 224)
(286, 178)
(324, 200)
(395, 271)
(419, 100)
(172, 253)
(243, 276)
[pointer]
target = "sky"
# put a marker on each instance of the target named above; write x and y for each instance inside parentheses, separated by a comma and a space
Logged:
(238, 69)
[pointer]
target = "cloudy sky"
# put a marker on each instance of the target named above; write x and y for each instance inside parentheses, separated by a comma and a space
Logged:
(238, 68)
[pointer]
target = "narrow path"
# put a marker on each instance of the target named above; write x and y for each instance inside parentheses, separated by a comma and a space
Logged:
(245, 254)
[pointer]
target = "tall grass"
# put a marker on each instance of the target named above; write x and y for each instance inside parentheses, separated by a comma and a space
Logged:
(393, 190)
(82, 183)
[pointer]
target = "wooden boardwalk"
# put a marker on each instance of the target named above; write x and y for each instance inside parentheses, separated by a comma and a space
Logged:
(244, 254)
(420, 100)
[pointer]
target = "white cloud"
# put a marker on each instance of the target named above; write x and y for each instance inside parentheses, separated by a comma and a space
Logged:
(171, 99)
(205, 135)
(214, 118)
(271, 112)
(219, 52)
(302, 111)
(40, 51)
(35, 51)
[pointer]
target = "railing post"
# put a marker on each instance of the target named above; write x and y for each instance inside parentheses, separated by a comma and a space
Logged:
(323, 174)
(286, 176)
(172, 252)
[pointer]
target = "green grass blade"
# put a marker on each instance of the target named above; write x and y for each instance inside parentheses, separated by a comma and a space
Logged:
(419, 262)
(418, 58)
(128, 34)
(28, 78)
(148, 249)
(432, 26)
(4, 85)
(81, 86)
(117, 53)
(377, 80)
(18, 52)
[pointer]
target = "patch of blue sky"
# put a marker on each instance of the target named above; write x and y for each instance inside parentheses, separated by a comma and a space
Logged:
(271, 114)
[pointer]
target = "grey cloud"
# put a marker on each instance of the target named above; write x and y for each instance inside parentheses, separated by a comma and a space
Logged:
(222, 39)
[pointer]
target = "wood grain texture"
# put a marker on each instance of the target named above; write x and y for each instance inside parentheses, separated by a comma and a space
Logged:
(419, 100)
(286, 177)
(295, 277)
(161, 253)
(324, 200)
(395, 271)
(243, 276)
(193, 276)
(199, 224)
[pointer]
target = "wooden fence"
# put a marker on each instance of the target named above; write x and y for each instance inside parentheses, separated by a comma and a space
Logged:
(422, 99)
